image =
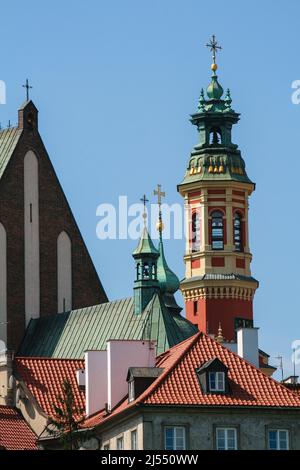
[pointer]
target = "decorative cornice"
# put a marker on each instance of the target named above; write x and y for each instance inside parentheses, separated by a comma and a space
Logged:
(225, 292)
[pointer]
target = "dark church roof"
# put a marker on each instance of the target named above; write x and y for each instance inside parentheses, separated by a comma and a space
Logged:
(68, 335)
(8, 140)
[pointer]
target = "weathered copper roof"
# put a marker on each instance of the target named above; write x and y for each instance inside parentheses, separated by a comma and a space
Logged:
(8, 140)
(68, 335)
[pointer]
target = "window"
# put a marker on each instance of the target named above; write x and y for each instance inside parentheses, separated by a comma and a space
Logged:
(133, 436)
(131, 390)
(215, 136)
(226, 438)
(146, 271)
(237, 232)
(217, 231)
(120, 443)
(195, 307)
(279, 439)
(216, 381)
(175, 438)
(195, 232)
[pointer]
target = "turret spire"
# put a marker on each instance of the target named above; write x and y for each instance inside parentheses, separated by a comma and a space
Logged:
(214, 47)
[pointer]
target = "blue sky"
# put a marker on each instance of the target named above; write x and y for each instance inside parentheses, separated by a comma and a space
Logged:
(115, 82)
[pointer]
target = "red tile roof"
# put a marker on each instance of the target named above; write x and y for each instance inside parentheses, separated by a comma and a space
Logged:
(179, 385)
(15, 434)
(44, 378)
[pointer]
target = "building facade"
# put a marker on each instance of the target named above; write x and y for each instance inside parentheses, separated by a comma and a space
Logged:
(45, 267)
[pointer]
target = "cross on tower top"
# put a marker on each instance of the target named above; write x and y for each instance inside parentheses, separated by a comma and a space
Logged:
(214, 47)
(144, 200)
(159, 193)
(28, 87)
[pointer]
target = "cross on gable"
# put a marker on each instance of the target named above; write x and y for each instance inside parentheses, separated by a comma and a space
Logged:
(28, 87)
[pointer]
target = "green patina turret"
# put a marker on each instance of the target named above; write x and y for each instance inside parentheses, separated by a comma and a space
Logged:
(146, 283)
(215, 157)
(168, 281)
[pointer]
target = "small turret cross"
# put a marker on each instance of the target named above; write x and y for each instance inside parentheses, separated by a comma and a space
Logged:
(144, 200)
(28, 87)
(214, 47)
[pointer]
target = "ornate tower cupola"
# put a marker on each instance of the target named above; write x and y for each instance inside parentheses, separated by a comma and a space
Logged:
(218, 286)
(146, 283)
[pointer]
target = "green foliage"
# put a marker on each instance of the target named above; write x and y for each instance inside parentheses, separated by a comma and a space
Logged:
(66, 423)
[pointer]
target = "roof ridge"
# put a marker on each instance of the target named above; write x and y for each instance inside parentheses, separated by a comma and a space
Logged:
(191, 341)
(44, 358)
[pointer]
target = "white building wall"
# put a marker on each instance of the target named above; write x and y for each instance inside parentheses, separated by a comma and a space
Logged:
(31, 229)
(64, 273)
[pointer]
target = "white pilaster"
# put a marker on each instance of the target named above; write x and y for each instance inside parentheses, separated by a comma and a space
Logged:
(64, 273)
(3, 285)
(31, 229)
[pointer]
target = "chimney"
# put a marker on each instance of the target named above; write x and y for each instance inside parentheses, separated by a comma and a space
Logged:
(121, 355)
(247, 345)
(106, 372)
(95, 381)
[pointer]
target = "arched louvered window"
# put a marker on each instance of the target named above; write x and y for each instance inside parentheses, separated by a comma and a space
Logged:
(195, 235)
(238, 232)
(217, 230)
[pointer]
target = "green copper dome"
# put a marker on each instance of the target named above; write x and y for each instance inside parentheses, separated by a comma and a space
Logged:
(145, 246)
(168, 281)
(214, 90)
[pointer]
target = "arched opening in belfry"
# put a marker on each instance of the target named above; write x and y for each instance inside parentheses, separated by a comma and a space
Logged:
(215, 136)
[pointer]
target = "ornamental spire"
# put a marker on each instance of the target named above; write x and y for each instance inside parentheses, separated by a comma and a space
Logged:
(214, 47)
(159, 193)
(144, 200)
(214, 90)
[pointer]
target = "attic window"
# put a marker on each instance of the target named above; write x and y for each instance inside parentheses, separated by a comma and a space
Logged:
(139, 379)
(217, 381)
(213, 377)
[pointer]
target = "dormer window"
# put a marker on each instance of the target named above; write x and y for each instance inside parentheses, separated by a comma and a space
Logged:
(216, 381)
(139, 379)
(213, 377)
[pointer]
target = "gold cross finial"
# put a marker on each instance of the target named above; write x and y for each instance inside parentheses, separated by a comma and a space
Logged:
(159, 193)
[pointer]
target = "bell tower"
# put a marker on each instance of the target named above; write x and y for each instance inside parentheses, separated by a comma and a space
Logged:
(218, 287)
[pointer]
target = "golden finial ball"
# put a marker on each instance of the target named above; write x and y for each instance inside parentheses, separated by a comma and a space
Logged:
(214, 67)
(159, 226)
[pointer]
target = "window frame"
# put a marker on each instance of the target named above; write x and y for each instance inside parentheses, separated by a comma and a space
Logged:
(241, 242)
(215, 238)
(217, 375)
(131, 392)
(120, 439)
(175, 427)
(134, 432)
(278, 430)
(195, 232)
(226, 429)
